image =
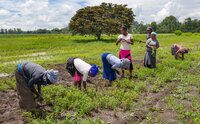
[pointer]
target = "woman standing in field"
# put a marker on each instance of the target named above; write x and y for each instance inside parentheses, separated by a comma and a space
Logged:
(110, 65)
(150, 57)
(126, 40)
(80, 70)
(149, 31)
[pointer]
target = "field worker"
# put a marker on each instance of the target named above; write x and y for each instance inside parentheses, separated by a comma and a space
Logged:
(110, 65)
(126, 40)
(149, 31)
(80, 70)
(150, 57)
(28, 75)
(178, 51)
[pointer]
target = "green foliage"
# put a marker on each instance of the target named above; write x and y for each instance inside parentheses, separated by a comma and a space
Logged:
(190, 25)
(104, 19)
(7, 83)
(169, 25)
(178, 32)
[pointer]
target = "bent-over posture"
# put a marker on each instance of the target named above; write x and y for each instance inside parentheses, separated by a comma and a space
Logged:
(80, 70)
(110, 65)
(178, 51)
(28, 75)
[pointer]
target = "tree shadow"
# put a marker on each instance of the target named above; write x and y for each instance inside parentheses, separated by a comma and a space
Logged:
(94, 40)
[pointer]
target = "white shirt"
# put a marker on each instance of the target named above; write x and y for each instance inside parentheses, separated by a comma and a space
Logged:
(82, 67)
(125, 45)
(114, 61)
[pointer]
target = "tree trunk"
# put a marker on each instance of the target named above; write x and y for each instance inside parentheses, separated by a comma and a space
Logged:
(98, 36)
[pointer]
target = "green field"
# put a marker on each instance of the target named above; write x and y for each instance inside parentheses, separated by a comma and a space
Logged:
(170, 93)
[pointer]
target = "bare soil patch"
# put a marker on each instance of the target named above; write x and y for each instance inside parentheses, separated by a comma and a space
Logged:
(10, 112)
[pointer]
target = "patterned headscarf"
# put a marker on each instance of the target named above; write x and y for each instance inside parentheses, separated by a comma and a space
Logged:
(52, 75)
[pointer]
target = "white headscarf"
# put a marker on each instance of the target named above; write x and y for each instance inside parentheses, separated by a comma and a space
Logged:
(52, 75)
(126, 63)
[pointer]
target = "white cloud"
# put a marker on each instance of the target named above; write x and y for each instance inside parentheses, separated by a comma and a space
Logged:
(33, 14)
(168, 9)
(181, 9)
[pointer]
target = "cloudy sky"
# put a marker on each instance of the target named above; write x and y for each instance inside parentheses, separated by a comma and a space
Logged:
(33, 14)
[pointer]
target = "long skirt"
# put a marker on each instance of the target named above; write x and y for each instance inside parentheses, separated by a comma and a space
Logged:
(150, 60)
(126, 54)
(26, 98)
(108, 72)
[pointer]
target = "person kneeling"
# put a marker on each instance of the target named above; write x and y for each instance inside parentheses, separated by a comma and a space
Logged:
(27, 75)
(80, 70)
(178, 51)
(110, 64)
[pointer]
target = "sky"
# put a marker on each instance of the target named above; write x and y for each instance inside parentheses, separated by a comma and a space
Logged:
(34, 14)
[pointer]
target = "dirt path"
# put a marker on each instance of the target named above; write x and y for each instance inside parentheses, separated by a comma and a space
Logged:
(10, 112)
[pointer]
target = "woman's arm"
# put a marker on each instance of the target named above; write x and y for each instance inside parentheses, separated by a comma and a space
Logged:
(158, 44)
(85, 78)
(40, 93)
(178, 51)
(118, 40)
(129, 41)
(31, 85)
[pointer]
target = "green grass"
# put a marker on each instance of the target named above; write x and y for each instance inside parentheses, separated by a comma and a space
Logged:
(49, 50)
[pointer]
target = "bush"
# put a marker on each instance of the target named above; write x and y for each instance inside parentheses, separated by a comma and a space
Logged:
(178, 32)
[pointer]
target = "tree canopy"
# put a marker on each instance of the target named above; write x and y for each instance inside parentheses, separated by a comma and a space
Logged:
(169, 24)
(106, 18)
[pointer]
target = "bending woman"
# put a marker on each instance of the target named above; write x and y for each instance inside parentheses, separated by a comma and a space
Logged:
(80, 70)
(28, 75)
(178, 51)
(150, 57)
(110, 65)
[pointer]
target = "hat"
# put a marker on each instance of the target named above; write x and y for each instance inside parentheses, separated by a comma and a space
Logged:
(154, 33)
(51, 75)
(149, 28)
(94, 70)
(125, 63)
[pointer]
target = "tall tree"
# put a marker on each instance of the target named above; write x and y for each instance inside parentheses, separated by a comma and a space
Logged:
(106, 18)
(169, 25)
(190, 25)
(154, 26)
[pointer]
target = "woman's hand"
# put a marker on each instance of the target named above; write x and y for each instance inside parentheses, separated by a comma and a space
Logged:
(123, 40)
(128, 41)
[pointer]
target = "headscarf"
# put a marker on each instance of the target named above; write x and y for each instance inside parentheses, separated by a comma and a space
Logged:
(94, 70)
(154, 33)
(51, 75)
(125, 63)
